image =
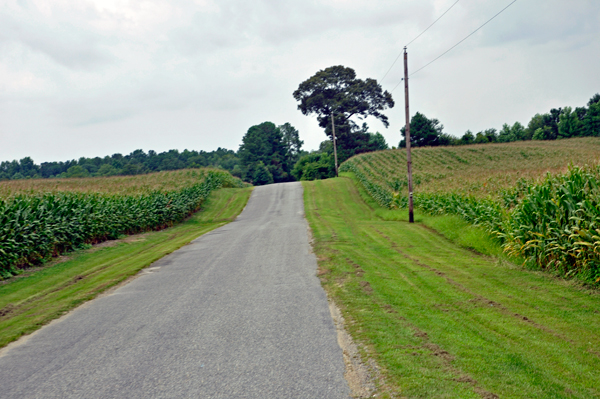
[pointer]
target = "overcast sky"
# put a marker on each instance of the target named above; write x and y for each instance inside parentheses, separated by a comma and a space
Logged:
(97, 77)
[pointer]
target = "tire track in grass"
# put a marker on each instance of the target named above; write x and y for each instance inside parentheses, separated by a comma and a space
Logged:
(494, 306)
(444, 357)
(479, 299)
(504, 287)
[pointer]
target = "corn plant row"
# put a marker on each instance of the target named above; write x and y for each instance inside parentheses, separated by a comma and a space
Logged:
(482, 212)
(382, 196)
(36, 227)
(554, 224)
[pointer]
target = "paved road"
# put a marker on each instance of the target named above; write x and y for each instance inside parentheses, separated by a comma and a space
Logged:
(238, 313)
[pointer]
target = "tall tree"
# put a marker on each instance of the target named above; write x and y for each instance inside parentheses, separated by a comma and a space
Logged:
(292, 145)
(569, 124)
(591, 122)
(518, 131)
(536, 122)
(594, 100)
(336, 91)
(266, 147)
(424, 132)
(551, 120)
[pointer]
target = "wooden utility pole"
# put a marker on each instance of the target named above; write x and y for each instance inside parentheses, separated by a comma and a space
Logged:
(411, 217)
(334, 145)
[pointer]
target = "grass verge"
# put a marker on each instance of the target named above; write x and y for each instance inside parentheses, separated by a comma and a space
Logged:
(453, 227)
(443, 321)
(33, 299)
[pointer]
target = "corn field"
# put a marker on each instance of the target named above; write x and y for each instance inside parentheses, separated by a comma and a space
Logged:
(476, 170)
(124, 185)
(552, 221)
(37, 226)
(556, 224)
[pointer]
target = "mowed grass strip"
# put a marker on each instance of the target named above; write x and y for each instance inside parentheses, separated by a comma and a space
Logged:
(29, 301)
(446, 322)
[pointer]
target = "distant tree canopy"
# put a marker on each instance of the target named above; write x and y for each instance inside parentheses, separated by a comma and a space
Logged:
(268, 153)
(320, 164)
(425, 132)
(137, 162)
(292, 144)
(336, 91)
(558, 123)
(272, 153)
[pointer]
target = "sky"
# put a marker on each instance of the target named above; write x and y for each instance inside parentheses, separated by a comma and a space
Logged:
(98, 77)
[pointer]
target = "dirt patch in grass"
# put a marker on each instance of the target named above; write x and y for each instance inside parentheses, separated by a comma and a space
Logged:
(366, 287)
(8, 309)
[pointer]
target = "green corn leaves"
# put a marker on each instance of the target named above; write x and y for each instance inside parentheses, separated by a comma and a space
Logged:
(36, 227)
(554, 223)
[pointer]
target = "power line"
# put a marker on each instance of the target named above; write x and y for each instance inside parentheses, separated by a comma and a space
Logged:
(440, 17)
(451, 48)
(420, 34)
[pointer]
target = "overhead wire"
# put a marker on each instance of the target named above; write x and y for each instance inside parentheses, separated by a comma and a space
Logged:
(433, 23)
(418, 36)
(451, 48)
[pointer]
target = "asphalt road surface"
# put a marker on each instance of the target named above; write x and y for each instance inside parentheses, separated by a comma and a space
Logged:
(237, 313)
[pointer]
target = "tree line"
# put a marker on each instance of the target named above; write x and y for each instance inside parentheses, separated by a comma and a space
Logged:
(137, 162)
(273, 154)
(268, 153)
(558, 123)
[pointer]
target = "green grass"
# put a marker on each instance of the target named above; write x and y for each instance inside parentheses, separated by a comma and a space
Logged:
(443, 321)
(31, 300)
(452, 227)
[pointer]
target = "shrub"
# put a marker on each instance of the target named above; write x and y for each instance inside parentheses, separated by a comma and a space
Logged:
(314, 166)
